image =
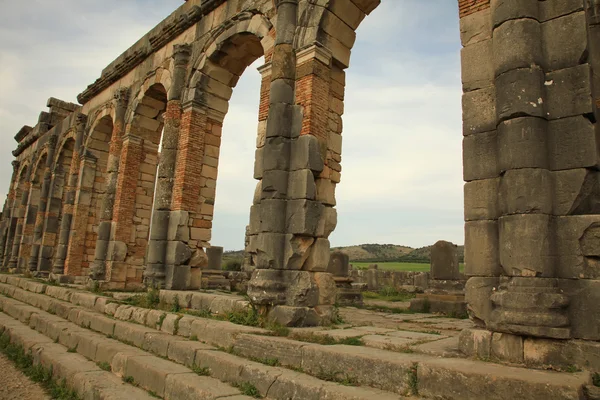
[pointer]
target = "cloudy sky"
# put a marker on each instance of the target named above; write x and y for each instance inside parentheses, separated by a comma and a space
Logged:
(402, 174)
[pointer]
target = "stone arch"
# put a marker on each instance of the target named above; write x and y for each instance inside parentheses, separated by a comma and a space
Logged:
(139, 160)
(32, 208)
(21, 186)
(62, 167)
(215, 73)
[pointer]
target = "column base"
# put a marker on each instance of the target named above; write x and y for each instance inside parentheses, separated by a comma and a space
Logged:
(214, 279)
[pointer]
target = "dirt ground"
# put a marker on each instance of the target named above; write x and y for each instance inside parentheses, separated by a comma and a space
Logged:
(15, 385)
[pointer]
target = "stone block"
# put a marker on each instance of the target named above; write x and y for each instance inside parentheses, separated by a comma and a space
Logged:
(306, 154)
(482, 248)
(503, 11)
(565, 41)
(572, 143)
(270, 214)
(522, 143)
(481, 199)
(258, 163)
(561, 354)
(517, 45)
(318, 257)
(479, 111)
(520, 92)
(569, 92)
(444, 261)
(178, 253)
(478, 292)
(525, 245)
(215, 257)
(480, 159)
(477, 66)
(270, 250)
(575, 191)
(339, 264)
(284, 120)
(507, 347)
(276, 154)
(526, 191)
(177, 277)
(584, 313)
(296, 251)
(302, 216)
(476, 27)
(325, 191)
(275, 184)
(327, 223)
(160, 225)
(301, 185)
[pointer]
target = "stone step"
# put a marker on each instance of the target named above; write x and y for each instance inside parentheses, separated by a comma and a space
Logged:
(401, 373)
(85, 377)
(153, 373)
(159, 377)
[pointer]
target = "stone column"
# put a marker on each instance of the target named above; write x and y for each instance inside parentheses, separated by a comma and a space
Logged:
(10, 216)
(58, 266)
(42, 208)
(123, 210)
(51, 224)
(530, 157)
(289, 284)
(19, 210)
(98, 268)
(75, 251)
(166, 253)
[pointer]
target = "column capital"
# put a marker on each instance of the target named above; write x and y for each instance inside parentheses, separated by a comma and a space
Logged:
(80, 121)
(182, 54)
(265, 69)
(315, 51)
(121, 97)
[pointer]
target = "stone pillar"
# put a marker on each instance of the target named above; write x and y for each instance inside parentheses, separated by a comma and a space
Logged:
(215, 257)
(530, 159)
(75, 252)
(167, 254)
(123, 211)
(444, 261)
(19, 210)
(289, 285)
(10, 216)
(58, 266)
(98, 268)
(51, 223)
(339, 267)
(43, 204)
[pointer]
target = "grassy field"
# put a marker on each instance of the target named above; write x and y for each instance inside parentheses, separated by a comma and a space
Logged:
(398, 266)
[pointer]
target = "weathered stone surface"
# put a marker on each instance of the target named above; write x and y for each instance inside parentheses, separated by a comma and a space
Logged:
(576, 191)
(482, 248)
(481, 199)
(479, 111)
(565, 41)
(522, 143)
(215, 256)
(318, 256)
(525, 245)
(444, 261)
(507, 347)
(572, 143)
(475, 343)
(480, 157)
(477, 67)
(584, 315)
(339, 264)
(503, 11)
(526, 191)
(517, 45)
(569, 92)
(520, 92)
(476, 27)
(478, 291)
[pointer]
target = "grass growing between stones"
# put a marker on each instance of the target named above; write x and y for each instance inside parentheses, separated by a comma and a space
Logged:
(37, 373)
(596, 379)
(413, 379)
(248, 389)
(202, 371)
(104, 366)
(337, 377)
(389, 294)
(149, 299)
(326, 340)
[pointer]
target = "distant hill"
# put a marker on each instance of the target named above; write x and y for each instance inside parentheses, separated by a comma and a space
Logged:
(374, 253)
(391, 252)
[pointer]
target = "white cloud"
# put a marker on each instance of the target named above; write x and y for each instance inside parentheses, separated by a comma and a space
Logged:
(402, 174)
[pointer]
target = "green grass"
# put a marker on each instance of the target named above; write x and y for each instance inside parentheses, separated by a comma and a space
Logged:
(248, 389)
(398, 266)
(388, 294)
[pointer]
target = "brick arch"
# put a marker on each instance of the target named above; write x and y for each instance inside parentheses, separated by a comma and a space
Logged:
(214, 74)
(68, 138)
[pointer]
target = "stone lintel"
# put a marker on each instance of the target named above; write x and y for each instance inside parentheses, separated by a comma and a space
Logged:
(314, 51)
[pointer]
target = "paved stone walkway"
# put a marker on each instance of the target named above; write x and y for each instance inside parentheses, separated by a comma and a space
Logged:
(15, 385)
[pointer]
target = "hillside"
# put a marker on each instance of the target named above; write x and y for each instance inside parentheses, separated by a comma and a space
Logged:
(373, 253)
(390, 252)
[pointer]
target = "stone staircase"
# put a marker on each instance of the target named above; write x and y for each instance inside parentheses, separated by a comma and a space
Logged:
(108, 350)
